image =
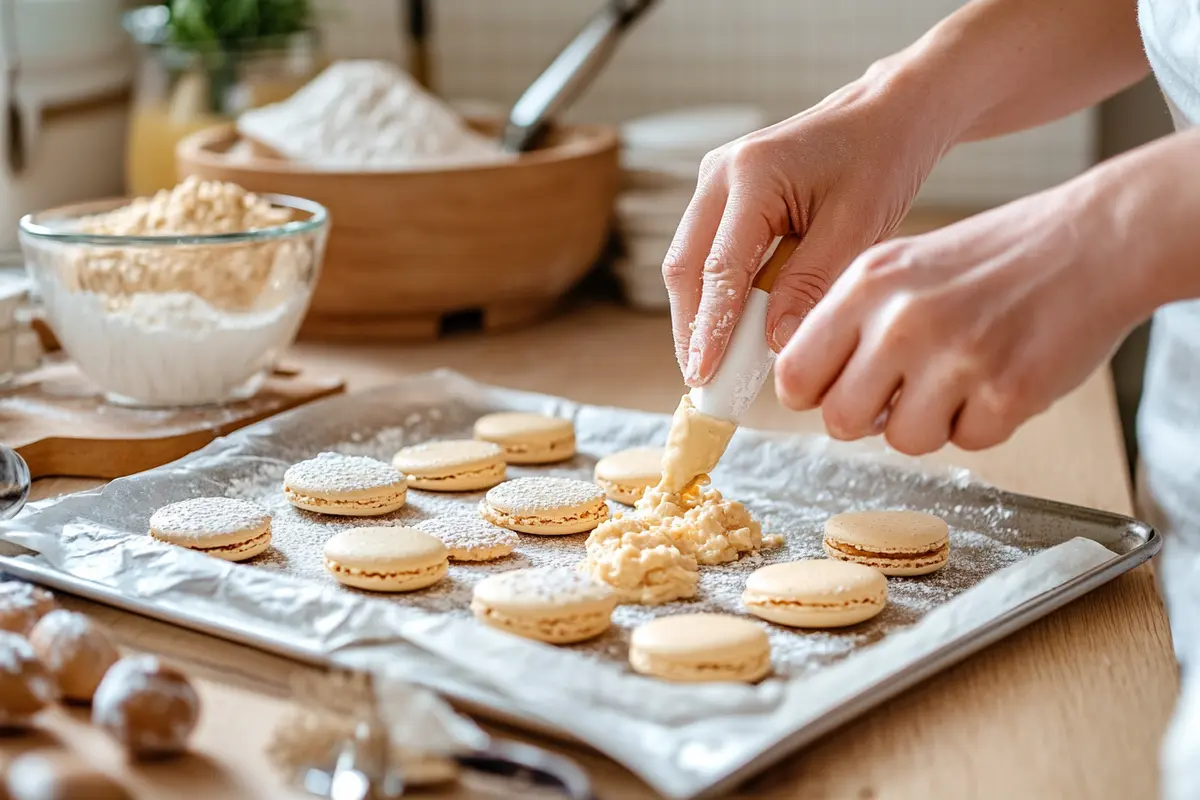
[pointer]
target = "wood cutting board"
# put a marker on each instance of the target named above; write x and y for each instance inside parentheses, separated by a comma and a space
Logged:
(62, 427)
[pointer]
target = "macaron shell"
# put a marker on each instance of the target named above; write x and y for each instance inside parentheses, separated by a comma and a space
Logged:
(625, 495)
(554, 605)
(544, 525)
(701, 647)
(545, 506)
(815, 593)
(243, 551)
(347, 486)
(533, 454)
(548, 629)
(641, 465)
(528, 438)
(894, 567)
(799, 616)
(389, 582)
(465, 481)
(627, 474)
(883, 532)
(395, 559)
(452, 466)
(370, 506)
(750, 671)
(210, 522)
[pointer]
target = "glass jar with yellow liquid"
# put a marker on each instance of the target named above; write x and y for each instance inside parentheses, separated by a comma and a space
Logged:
(179, 91)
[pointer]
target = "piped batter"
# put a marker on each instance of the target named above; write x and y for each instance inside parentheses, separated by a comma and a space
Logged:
(653, 555)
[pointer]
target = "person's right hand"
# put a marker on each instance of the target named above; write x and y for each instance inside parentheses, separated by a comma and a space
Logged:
(841, 175)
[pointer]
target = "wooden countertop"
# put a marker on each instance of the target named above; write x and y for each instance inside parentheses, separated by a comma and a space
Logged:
(1071, 707)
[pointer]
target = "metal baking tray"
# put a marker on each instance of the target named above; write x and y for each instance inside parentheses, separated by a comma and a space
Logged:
(659, 730)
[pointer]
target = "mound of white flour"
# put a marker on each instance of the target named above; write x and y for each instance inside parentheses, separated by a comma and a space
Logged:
(367, 115)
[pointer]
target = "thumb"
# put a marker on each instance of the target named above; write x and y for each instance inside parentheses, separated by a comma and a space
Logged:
(824, 252)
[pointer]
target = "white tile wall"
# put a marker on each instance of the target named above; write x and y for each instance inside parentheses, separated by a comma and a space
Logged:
(783, 55)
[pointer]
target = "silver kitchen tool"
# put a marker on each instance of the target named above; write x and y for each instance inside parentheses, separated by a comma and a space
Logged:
(529, 767)
(572, 71)
(364, 765)
(14, 482)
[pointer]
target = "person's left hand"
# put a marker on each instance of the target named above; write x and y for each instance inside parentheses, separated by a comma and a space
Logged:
(964, 333)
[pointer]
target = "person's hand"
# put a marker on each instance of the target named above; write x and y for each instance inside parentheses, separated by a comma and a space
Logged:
(841, 175)
(964, 333)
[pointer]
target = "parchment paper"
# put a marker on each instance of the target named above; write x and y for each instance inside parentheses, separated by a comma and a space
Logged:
(682, 739)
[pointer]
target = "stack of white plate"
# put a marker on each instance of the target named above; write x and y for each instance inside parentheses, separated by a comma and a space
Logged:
(660, 158)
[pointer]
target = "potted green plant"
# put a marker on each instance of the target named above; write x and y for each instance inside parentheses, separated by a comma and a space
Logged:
(203, 62)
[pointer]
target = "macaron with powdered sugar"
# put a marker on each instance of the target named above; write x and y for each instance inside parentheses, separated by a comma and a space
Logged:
(345, 486)
(545, 505)
(224, 527)
(547, 604)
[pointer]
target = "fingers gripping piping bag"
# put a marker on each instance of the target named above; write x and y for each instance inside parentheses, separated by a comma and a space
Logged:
(708, 415)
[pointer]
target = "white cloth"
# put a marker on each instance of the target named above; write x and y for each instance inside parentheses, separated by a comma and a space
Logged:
(1169, 418)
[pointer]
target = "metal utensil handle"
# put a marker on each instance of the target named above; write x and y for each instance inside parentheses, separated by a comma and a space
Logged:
(570, 73)
(532, 765)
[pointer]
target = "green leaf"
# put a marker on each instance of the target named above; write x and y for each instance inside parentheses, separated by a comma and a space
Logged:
(218, 23)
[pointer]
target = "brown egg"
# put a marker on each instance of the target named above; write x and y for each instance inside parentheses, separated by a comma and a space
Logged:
(59, 775)
(75, 650)
(22, 605)
(147, 706)
(25, 685)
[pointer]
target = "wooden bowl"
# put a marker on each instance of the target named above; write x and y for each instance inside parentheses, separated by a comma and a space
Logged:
(492, 246)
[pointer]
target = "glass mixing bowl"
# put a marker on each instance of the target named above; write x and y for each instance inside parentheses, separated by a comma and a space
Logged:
(174, 320)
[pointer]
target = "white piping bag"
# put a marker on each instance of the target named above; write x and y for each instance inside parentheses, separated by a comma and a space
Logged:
(748, 358)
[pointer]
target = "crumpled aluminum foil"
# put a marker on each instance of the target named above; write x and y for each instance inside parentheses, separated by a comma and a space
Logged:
(682, 739)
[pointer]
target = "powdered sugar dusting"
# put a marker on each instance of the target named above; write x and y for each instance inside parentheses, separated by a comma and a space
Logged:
(334, 472)
(15, 653)
(209, 516)
(469, 535)
(538, 585)
(543, 493)
(22, 605)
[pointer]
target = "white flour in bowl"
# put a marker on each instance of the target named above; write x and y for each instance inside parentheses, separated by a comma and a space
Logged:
(179, 324)
(170, 349)
(367, 115)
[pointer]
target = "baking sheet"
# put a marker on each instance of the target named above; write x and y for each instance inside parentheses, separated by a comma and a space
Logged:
(1013, 559)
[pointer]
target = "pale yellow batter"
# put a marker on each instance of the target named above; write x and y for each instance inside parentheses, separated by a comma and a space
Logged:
(638, 558)
(694, 446)
(653, 556)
